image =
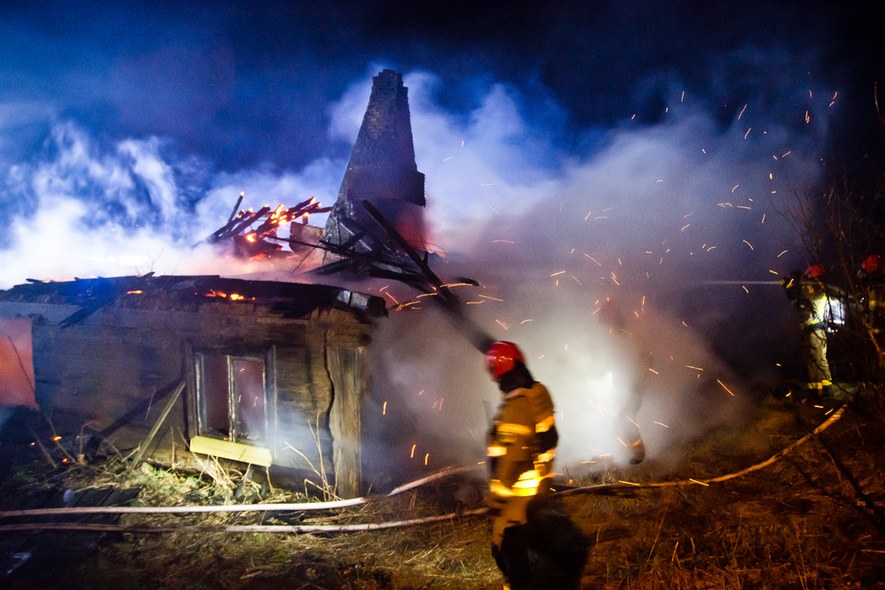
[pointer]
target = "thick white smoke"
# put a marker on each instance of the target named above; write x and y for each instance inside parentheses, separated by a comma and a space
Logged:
(645, 218)
(83, 209)
(649, 219)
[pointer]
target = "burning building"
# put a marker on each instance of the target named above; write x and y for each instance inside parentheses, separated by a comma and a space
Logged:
(261, 372)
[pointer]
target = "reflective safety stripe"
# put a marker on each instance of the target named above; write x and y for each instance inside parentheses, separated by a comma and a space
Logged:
(523, 492)
(511, 428)
(530, 475)
(499, 489)
(545, 457)
(526, 485)
(496, 451)
(545, 424)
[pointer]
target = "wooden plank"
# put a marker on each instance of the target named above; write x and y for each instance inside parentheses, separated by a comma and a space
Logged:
(163, 415)
(347, 368)
(230, 450)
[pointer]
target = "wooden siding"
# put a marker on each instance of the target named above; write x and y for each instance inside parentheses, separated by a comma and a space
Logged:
(109, 373)
(348, 370)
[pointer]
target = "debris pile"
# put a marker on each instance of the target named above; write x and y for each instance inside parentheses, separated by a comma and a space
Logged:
(253, 234)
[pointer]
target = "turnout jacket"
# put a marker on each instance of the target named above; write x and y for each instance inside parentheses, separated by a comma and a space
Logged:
(811, 299)
(521, 443)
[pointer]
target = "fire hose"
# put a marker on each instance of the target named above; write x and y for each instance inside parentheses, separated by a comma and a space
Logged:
(280, 507)
(345, 528)
(705, 482)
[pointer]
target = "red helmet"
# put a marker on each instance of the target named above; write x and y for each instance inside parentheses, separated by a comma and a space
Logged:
(813, 271)
(501, 358)
(872, 264)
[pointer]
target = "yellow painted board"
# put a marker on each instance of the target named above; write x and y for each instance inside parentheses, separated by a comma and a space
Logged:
(230, 450)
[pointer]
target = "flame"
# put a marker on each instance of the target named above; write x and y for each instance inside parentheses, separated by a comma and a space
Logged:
(231, 297)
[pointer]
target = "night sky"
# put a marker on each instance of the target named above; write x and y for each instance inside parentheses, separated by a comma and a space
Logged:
(572, 151)
(241, 87)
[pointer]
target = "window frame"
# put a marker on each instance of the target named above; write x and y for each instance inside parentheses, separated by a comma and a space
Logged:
(199, 429)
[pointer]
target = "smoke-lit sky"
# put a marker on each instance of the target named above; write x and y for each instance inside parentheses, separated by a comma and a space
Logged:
(145, 108)
(241, 86)
(642, 148)
(166, 102)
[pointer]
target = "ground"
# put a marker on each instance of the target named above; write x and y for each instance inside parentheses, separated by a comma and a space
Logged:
(814, 517)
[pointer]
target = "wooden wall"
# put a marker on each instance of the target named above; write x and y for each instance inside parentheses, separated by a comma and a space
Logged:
(110, 373)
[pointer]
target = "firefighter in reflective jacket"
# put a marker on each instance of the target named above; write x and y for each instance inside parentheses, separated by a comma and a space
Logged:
(521, 447)
(808, 295)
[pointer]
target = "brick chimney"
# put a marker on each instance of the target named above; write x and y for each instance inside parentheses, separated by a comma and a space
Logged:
(382, 170)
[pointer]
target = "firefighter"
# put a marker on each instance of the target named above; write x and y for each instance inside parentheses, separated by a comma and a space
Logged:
(521, 447)
(807, 293)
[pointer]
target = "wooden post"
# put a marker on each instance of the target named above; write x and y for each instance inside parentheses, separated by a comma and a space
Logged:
(150, 437)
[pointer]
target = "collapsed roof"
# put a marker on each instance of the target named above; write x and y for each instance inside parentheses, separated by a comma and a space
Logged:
(193, 293)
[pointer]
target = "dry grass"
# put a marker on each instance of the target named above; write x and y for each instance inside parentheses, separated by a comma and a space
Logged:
(811, 520)
(799, 523)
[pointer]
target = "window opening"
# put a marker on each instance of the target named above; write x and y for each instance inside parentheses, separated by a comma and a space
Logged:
(232, 395)
(248, 388)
